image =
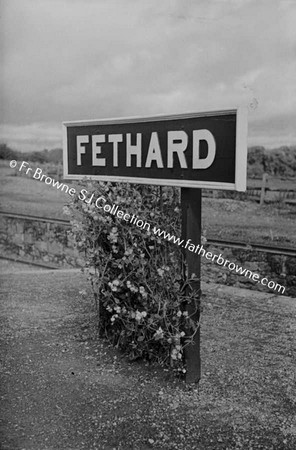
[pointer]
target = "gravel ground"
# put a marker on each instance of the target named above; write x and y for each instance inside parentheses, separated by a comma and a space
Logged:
(63, 388)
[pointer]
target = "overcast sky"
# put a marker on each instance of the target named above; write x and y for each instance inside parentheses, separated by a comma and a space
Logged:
(88, 59)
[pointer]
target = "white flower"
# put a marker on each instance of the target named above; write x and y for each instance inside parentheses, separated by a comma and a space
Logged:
(158, 334)
(174, 354)
(160, 272)
(112, 286)
(113, 236)
(138, 316)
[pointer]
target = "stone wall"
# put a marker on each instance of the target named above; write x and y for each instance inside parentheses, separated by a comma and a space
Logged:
(47, 241)
(277, 268)
(37, 240)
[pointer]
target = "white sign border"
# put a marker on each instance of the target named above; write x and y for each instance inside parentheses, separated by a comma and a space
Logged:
(241, 150)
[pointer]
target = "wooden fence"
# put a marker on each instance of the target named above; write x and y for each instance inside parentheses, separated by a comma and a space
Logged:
(272, 189)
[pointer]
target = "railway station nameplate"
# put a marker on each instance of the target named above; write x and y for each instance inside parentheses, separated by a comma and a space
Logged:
(197, 150)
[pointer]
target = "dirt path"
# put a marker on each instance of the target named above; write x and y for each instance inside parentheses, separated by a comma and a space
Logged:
(62, 389)
(47, 400)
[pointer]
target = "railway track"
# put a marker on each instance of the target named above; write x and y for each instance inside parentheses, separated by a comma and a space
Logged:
(30, 263)
(276, 250)
(35, 218)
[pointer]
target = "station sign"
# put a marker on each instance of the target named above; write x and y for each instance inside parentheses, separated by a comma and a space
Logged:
(196, 150)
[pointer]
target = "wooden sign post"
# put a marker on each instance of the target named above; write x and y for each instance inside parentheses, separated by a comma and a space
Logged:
(191, 229)
(190, 151)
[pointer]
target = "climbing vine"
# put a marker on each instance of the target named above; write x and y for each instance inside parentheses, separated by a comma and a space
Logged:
(137, 277)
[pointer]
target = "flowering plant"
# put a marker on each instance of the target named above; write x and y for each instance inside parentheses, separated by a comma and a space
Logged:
(136, 276)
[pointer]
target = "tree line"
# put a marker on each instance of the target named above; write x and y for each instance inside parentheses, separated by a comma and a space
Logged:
(54, 156)
(279, 162)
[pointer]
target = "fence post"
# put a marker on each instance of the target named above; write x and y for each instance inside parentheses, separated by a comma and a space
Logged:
(263, 187)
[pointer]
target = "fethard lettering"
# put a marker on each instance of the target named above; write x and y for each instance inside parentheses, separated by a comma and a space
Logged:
(115, 139)
(96, 150)
(80, 148)
(204, 163)
(177, 143)
(133, 150)
(139, 152)
(154, 152)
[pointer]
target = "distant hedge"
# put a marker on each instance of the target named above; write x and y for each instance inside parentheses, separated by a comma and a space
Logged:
(45, 156)
(276, 162)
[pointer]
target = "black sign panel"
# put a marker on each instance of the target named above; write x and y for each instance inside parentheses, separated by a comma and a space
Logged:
(193, 150)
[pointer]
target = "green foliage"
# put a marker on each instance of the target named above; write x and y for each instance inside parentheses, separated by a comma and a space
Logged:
(7, 153)
(54, 156)
(136, 276)
(276, 162)
(39, 157)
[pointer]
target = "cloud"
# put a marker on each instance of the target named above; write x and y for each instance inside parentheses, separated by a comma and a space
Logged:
(87, 59)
